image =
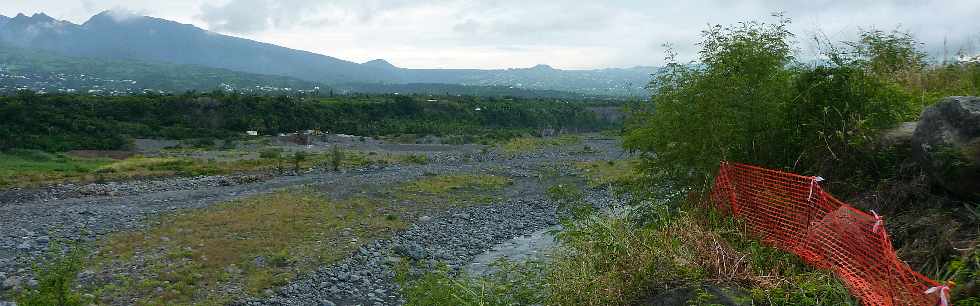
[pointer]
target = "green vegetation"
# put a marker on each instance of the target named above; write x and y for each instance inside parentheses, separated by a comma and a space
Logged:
(54, 122)
(605, 173)
(24, 168)
(528, 144)
(456, 189)
(804, 118)
(748, 99)
(256, 243)
(511, 284)
(29, 167)
(56, 279)
(67, 71)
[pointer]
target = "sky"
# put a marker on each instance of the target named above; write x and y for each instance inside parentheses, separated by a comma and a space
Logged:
(522, 33)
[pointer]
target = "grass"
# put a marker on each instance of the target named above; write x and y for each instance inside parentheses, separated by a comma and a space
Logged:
(55, 279)
(511, 284)
(28, 168)
(215, 255)
(604, 173)
(625, 258)
(457, 189)
(530, 144)
(252, 244)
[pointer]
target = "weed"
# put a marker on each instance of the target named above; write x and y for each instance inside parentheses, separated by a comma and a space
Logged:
(511, 284)
(56, 279)
(294, 230)
(420, 159)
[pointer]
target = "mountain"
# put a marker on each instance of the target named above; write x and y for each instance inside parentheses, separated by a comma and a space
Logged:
(116, 35)
(44, 71)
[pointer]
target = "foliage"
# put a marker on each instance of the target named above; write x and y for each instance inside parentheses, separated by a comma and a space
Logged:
(528, 144)
(726, 107)
(59, 122)
(461, 189)
(511, 284)
(748, 100)
(611, 261)
(56, 279)
(299, 157)
(336, 158)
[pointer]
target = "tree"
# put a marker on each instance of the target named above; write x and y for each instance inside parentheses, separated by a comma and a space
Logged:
(336, 157)
(725, 107)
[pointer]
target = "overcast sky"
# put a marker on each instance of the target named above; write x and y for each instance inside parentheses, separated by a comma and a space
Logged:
(522, 33)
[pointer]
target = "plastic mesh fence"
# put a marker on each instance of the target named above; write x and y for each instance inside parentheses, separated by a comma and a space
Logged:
(791, 212)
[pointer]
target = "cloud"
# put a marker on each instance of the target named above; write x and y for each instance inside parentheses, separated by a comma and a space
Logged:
(513, 33)
(249, 16)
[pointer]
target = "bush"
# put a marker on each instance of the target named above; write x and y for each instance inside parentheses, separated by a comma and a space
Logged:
(511, 284)
(726, 107)
(336, 158)
(270, 153)
(747, 100)
(56, 279)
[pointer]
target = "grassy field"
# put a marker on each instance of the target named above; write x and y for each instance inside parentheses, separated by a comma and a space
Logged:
(530, 144)
(248, 245)
(456, 189)
(603, 173)
(29, 168)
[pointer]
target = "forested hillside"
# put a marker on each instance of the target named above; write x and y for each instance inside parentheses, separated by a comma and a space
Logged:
(50, 72)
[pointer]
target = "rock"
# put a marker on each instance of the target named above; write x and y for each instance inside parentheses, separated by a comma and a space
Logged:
(327, 303)
(26, 246)
(10, 282)
(425, 219)
(259, 262)
(899, 135)
(946, 144)
(412, 251)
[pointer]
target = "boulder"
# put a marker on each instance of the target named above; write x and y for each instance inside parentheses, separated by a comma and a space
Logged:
(946, 144)
(900, 135)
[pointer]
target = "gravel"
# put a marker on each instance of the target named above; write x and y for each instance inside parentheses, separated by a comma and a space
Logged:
(34, 218)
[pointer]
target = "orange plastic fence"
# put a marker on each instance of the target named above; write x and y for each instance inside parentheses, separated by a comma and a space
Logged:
(792, 213)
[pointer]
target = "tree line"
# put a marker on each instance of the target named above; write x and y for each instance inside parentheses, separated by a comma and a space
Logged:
(58, 122)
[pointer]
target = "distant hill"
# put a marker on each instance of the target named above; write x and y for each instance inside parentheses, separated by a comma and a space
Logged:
(119, 36)
(442, 89)
(51, 72)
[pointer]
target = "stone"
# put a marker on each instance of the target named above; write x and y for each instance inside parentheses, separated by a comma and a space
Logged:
(26, 246)
(899, 135)
(412, 251)
(946, 144)
(259, 262)
(10, 282)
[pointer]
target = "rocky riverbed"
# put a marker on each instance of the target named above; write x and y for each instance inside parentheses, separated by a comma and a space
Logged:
(455, 237)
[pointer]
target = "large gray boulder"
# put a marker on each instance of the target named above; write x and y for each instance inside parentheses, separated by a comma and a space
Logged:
(946, 143)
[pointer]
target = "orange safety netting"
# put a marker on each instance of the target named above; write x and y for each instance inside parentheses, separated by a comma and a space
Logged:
(792, 213)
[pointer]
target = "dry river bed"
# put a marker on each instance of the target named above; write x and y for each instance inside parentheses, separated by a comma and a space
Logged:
(511, 225)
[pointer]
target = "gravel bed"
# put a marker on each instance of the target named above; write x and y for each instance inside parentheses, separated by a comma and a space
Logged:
(32, 219)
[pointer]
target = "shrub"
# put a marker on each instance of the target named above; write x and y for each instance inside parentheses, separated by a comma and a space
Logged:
(56, 279)
(746, 99)
(726, 107)
(270, 153)
(336, 157)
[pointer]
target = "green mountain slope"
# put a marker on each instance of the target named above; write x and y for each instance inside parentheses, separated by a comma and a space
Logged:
(50, 72)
